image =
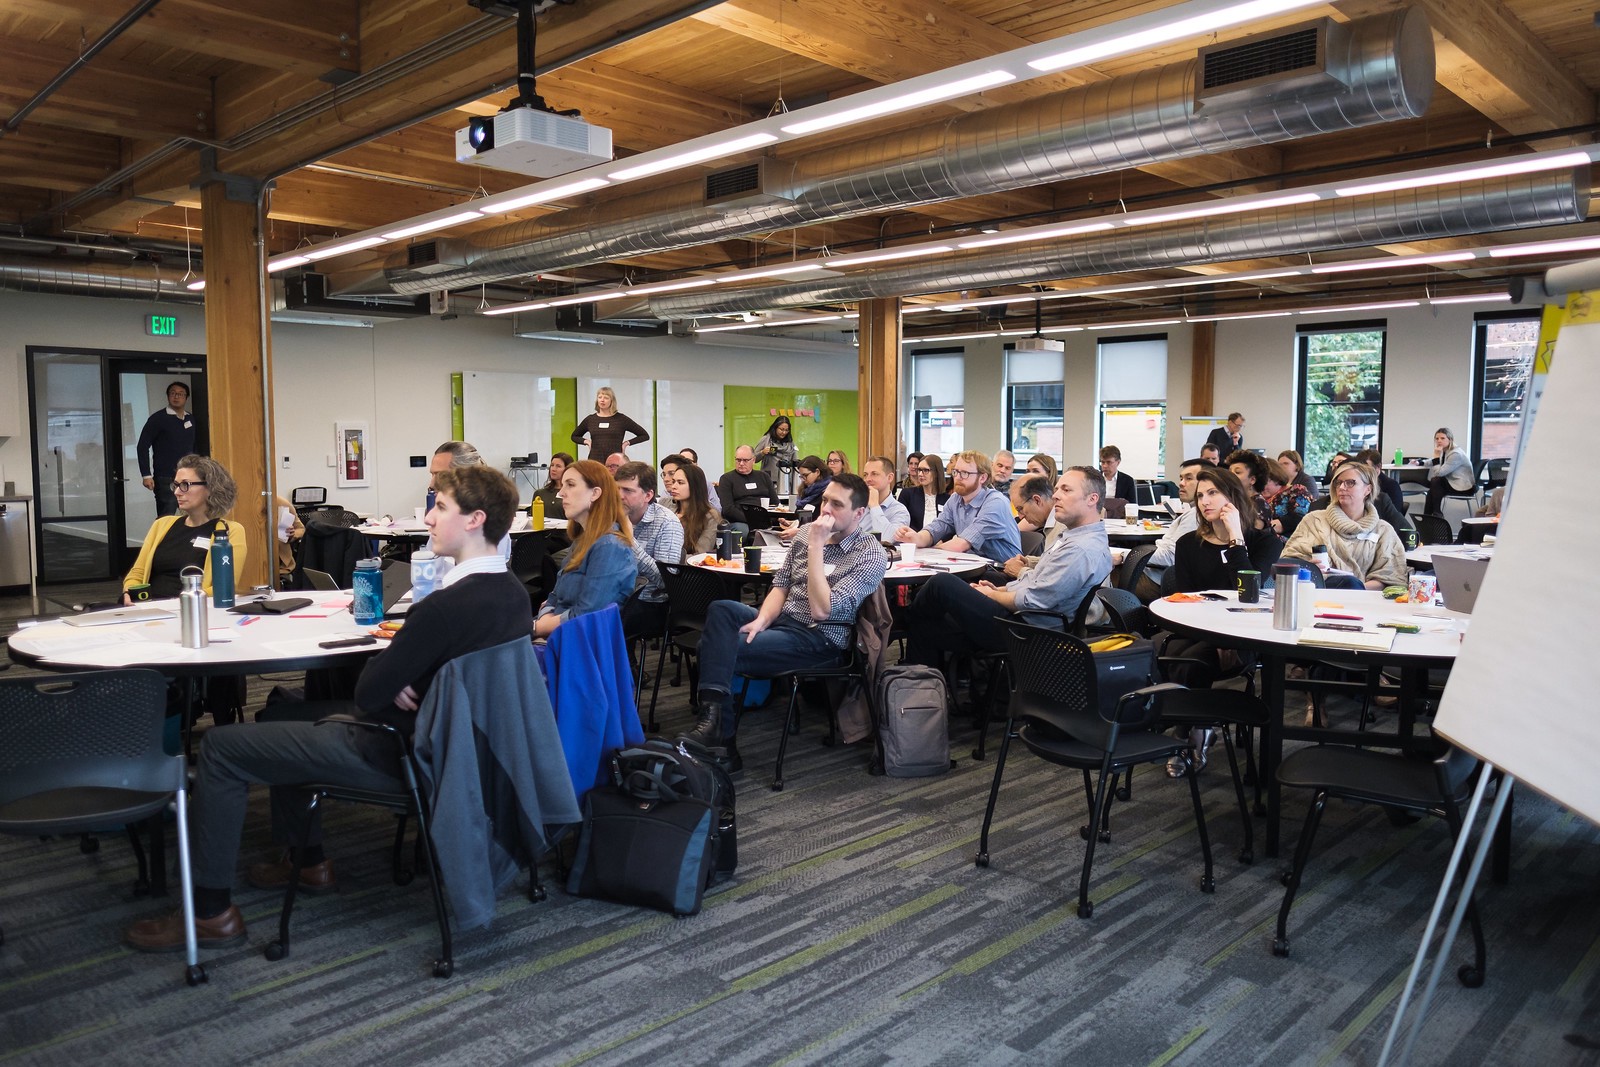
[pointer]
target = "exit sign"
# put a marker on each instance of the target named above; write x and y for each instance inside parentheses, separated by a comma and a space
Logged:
(161, 325)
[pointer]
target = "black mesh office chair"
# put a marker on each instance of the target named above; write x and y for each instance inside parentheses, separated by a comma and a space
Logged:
(1055, 712)
(79, 752)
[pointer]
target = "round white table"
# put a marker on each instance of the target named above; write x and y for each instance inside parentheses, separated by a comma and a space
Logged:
(1423, 555)
(1434, 646)
(1144, 532)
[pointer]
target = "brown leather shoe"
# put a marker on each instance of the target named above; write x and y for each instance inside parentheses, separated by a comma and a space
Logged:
(274, 874)
(165, 934)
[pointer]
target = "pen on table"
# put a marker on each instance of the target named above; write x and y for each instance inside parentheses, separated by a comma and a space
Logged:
(1336, 615)
(248, 619)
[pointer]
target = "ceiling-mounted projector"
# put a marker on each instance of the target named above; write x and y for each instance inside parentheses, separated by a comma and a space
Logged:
(1039, 344)
(529, 141)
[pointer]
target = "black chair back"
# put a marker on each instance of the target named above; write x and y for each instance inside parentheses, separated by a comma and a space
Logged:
(1434, 529)
(691, 591)
(1133, 566)
(1032, 542)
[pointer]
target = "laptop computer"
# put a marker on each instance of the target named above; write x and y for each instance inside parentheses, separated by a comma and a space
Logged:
(396, 585)
(319, 579)
(1459, 581)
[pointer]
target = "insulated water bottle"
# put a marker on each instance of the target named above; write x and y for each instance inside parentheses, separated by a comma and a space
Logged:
(221, 569)
(367, 606)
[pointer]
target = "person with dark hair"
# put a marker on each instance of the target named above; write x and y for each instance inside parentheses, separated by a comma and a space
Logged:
(1210, 453)
(600, 568)
(910, 480)
(168, 435)
(478, 606)
(205, 493)
(814, 476)
(1295, 467)
(885, 513)
(686, 486)
(1230, 438)
(1388, 486)
(1251, 470)
(550, 492)
(927, 497)
(775, 447)
(1118, 485)
(608, 430)
(687, 458)
(1286, 499)
(657, 533)
(832, 567)
(951, 616)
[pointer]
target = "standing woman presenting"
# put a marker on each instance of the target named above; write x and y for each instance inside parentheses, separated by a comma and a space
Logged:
(607, 430)
(205, 491)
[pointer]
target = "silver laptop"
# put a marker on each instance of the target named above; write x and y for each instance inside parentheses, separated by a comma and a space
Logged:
(1459, 581)
(114, 615)
(319, 579)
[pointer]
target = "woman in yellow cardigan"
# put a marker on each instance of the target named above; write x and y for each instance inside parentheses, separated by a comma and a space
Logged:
(205, 492)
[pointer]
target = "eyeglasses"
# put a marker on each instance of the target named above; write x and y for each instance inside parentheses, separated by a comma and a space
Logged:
(184, 487)
(954, 473)
(1347, 483)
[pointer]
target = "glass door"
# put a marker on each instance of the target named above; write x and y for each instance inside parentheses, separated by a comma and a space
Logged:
(88, 407)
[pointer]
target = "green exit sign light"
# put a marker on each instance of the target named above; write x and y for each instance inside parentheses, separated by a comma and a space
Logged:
(161, 325)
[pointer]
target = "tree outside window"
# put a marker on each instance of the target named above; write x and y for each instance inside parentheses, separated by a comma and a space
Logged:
(1341, 391)
(1504, 349)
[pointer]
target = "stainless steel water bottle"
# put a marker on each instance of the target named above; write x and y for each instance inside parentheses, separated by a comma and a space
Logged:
(192, 609)
(1286, 596)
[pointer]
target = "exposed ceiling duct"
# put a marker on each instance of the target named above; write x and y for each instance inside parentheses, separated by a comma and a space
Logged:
(135, 281)
(1306, 80)
(1429, 213)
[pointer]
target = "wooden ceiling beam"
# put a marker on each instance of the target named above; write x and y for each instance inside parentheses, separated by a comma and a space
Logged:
(1490, 59)
(104, 97)
(39, 158)
(308, 36)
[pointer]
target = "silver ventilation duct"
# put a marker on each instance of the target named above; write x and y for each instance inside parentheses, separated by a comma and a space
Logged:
(1404, 215)
(134, 281)
(1306, 80)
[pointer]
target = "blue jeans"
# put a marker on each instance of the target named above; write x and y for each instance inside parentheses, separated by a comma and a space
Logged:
(724, 652)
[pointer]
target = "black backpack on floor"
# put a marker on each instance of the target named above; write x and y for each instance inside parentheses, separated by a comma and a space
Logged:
(661, 833)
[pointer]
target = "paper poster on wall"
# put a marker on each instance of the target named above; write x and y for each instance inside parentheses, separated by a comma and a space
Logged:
(353, 455)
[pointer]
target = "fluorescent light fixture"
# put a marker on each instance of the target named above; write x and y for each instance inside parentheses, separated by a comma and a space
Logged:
(432, 224)
(1393, 262)
(1360, 307)
(949, 337)
(1226, 207)
(812, 267)
(665, 287)
(339, 248)
(735, 326)
(195, 287)
(1245, 315)
(695, 155)
(1037, 235)
(1131, 325)
(1529, 165)
(1164, 30)
(284, 264)
(509, 309)
(883, 257)
(1473, 298)
(888, 105)
(542, 196)
(1062, 329)
(990, 301)
(1571, 244)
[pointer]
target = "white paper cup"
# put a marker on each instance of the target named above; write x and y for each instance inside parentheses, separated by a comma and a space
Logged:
(908, 552)
(421, 513)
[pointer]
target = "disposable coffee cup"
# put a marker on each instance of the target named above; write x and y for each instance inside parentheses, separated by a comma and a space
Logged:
(752, 559)
(1249, 587)
(421, 513)
(908, 552)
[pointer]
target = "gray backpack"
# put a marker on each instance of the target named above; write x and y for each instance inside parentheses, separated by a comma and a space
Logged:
(913, 721)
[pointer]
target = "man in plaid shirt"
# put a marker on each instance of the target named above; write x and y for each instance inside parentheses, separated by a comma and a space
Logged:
(833, 565)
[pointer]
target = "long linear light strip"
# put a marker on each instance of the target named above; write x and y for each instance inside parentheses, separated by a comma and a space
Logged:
(1188, 19)
(1543, 161)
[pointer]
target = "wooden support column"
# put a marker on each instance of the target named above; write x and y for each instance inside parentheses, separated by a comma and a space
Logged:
(878, 407)
(238, 365)
(1202, 368)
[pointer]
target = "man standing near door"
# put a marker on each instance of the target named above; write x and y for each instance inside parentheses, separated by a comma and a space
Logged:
(169, 435)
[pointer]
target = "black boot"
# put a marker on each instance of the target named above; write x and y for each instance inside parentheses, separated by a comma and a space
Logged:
(708, 726)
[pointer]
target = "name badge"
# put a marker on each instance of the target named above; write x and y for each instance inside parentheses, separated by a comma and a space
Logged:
(603, 425)
(1370, 535)
(187, 425)
(202, 543)
(749, 485)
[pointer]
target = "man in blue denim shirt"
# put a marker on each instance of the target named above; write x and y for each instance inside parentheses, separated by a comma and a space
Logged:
(804, 621)
(977, 519)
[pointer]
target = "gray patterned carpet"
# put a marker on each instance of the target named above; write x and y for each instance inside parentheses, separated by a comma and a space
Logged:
(857, 931)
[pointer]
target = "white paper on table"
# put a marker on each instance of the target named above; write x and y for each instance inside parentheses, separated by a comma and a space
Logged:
(312, 646)
(143, 652)
(74, 641)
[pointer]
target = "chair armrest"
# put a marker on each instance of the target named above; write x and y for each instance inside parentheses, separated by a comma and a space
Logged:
(1150, 696)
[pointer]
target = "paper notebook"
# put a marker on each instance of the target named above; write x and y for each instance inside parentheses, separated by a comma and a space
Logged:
(1365, 641)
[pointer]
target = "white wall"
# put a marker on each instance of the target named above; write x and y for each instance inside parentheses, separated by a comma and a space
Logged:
(395, 377)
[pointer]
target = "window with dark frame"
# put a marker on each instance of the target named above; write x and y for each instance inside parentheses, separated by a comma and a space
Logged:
(1339, 384)
(1503, 347)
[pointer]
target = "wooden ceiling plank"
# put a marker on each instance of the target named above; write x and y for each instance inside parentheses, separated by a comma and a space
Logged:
(39, 159)
(103, 97)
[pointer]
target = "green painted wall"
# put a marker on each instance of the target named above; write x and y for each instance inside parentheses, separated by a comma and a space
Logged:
(747, 412)
(564, 419)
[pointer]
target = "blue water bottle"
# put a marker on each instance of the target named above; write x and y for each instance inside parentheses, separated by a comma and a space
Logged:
(367, 606)
(432, 495)
(221, 569)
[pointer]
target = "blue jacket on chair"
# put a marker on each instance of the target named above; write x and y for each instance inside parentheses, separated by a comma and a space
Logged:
(591, 684)
(491, 818)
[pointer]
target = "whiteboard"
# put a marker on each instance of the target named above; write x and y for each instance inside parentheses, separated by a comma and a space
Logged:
(690, 414)
(1521, 695)
(635, 399)
(1137, 432)
(505, 414)
(1196, 428)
